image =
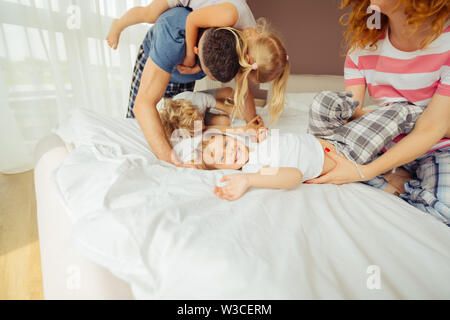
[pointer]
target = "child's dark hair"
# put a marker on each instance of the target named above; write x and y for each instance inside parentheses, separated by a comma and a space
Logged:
(219, 54)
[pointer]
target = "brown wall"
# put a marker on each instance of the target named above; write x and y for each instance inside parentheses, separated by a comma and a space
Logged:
(310, 30)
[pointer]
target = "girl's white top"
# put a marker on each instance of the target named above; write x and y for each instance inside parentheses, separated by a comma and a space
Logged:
(301, 151)
(200, 100)
(246, 18)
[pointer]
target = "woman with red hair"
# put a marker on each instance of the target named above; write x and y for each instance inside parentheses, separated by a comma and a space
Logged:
(400, 51)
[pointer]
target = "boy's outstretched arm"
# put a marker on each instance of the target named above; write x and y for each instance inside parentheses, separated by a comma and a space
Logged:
(271, 178)
(222, 15)
(136, 15)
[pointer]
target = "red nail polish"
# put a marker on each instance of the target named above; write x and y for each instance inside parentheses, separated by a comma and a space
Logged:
(327, 150)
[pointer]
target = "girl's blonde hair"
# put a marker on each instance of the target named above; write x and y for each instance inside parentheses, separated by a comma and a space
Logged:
(358, 35)
(263, 58)
(179, 114)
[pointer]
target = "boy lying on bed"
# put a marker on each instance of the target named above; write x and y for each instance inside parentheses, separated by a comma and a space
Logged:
(284, 161)
(211, 108)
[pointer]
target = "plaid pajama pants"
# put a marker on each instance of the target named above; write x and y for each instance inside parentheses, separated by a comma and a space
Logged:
(172, 89)
(363, 139)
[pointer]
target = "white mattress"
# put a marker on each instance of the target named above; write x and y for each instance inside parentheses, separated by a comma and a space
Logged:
(314, 242)
(66, 274)
(162, 230)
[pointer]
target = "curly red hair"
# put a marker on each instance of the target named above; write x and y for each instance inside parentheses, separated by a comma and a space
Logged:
(358, 35)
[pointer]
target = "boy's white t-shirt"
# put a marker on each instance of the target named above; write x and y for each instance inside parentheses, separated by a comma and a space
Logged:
(201, 100)
(246, 18)
(301, 151)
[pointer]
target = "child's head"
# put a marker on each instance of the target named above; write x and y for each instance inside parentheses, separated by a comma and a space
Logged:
(263, 58)
(220, 152)
(179, 114)
(217, 53)
(418, 12)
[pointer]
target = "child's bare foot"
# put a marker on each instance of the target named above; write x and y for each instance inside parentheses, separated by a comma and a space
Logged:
(392, 190)
(114, 34)
(396, 181)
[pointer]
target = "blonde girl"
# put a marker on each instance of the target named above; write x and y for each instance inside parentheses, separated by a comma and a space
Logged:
(263, 59)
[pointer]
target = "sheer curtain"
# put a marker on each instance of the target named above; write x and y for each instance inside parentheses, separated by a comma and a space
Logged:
(53, 57)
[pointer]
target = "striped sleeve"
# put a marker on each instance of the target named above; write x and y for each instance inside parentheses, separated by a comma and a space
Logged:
(444, 84)
(353, 74)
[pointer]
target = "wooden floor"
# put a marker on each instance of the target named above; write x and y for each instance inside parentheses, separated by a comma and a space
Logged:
(20, 263)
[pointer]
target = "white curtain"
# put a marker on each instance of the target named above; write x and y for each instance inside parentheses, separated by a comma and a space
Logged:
(53, 57)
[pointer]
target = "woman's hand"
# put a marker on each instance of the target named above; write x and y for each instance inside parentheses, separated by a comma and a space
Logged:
(344, 172)
(235, 189)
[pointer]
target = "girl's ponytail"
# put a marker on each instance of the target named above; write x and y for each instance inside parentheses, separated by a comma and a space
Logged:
(278, 95)
(241, 91)
(263, 58)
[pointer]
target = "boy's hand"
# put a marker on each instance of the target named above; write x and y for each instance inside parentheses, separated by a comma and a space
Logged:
(189, 70)
(189, 61)
(235, 189)
(255, 123)
(262, 134)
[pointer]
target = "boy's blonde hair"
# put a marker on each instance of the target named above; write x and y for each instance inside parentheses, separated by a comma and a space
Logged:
(264, 58)
(179, 114)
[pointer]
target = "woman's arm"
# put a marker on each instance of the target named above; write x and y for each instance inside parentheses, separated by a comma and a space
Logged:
(222, 15)
(272, 178)
(359, 93)
(432, 126)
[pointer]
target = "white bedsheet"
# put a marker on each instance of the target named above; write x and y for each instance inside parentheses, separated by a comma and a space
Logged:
(163, 230)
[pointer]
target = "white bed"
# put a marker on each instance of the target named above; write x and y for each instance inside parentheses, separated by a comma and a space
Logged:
(65, 274)
(312, 242)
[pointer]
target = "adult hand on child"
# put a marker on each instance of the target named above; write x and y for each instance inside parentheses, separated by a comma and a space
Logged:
(178, 163)
(344, 172)
(235, 189)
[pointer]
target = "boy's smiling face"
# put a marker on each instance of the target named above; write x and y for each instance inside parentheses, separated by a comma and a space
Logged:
(223, 152)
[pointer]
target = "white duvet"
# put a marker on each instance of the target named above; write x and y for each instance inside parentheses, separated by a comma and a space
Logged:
(163, 230)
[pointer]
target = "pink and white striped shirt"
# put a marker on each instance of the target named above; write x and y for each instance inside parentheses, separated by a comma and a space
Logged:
(392, 75)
